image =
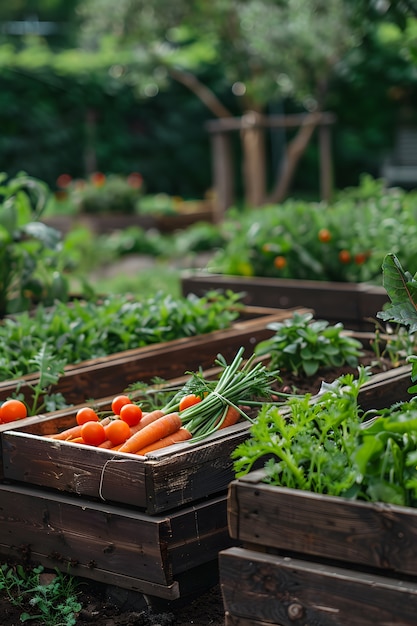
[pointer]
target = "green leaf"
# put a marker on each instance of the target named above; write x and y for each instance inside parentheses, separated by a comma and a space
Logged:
(401, 288)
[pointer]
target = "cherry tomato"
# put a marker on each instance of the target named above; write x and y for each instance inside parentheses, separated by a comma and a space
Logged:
(360, 258)
(131, 414)
(118, 402)
(324, 235)
(344, 256)
(188, 400)
(117, 431)
(280, 262)
(93, 433)
(12, 410)
(85, 414)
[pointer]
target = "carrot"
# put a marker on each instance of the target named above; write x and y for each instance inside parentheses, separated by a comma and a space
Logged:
(76, 440)
(232, 417)
(182, 434)
(161, 427)
(68, 433)
(146, 419)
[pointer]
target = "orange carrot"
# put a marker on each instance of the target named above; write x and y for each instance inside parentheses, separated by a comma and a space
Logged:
(68, 433)
(161, 427)
(146, 419)
(182, 434)
(232, 417)
(76, 440)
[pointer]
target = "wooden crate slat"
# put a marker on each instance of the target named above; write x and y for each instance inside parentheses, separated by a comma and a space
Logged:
(281, 591)
(109, 543)
(374, 535)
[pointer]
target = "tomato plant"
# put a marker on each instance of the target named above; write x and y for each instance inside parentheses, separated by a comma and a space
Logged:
(188, 400)
(280, 262)
(12, 410)
(118, 402)
(93, 433)
(344, 256)
(117, 431)
(131, 414)
(86, 414)
(324, 235)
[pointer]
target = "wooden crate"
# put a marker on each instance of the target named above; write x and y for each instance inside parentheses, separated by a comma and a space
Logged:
(118, 546)
(201, 469)
(353, 304)
(305, 558)
(100, 377)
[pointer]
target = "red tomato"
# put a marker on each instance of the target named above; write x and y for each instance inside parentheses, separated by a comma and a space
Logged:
(280, 262)
(93, 433)
(131, 414)
(344, 256)
(85, 414)
(188, 401)
(12, 410)
(360, 258)
(324, 235)
(118, 402)
(117, 431)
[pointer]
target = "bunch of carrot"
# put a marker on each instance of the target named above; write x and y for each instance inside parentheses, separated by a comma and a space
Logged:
(218, 406)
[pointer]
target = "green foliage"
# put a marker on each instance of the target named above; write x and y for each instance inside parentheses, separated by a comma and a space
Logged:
(309, 445)
(70, 333)
(303, 345)
(330, 446)
(343, 241)
(30, 263)
(53, 604)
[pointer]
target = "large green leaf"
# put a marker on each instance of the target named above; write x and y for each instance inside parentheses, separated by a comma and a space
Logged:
(401, 288)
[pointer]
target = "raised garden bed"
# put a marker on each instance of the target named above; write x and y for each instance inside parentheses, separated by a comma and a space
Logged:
(307, 558)
(100, 377)
(353, 304)
(98, 511)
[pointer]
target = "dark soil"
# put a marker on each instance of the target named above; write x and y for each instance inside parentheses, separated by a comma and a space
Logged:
(117, 607)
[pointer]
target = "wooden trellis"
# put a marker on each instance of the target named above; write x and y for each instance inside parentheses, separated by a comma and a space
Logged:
(252, 130)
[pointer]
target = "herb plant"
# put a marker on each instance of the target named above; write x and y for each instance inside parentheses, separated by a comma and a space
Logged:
(92, 329)
(302, 345)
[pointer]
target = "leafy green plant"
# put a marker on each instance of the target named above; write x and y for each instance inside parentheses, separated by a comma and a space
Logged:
(53, 604)
(302, 344)
(343, 241)
(401, 287)
(91, 329)
(308, 445)
(30, 264)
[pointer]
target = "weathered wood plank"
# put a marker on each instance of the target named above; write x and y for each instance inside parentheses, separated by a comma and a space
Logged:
(112, 544)
(280, 591)
(353, 304)
(373, 535)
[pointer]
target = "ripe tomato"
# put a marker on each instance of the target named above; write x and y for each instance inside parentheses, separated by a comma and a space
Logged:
(93, 433)
(85, 414)
(118, 402)
(344, 256)
(131, 414)
(12, 410)
(188, 400)
(360, 258)
(280, 262)
(117, 431)
(324, 235)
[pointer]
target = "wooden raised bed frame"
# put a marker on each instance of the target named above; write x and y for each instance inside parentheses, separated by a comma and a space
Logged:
(353, 304)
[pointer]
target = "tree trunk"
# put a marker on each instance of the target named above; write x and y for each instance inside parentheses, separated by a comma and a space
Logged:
(292, 156)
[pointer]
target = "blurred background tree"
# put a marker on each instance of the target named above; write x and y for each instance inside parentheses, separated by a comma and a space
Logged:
(108, 86)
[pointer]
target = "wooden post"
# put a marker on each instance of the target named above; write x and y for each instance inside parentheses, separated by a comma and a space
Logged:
(254, 166)
(223, 173)
(326, 173)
